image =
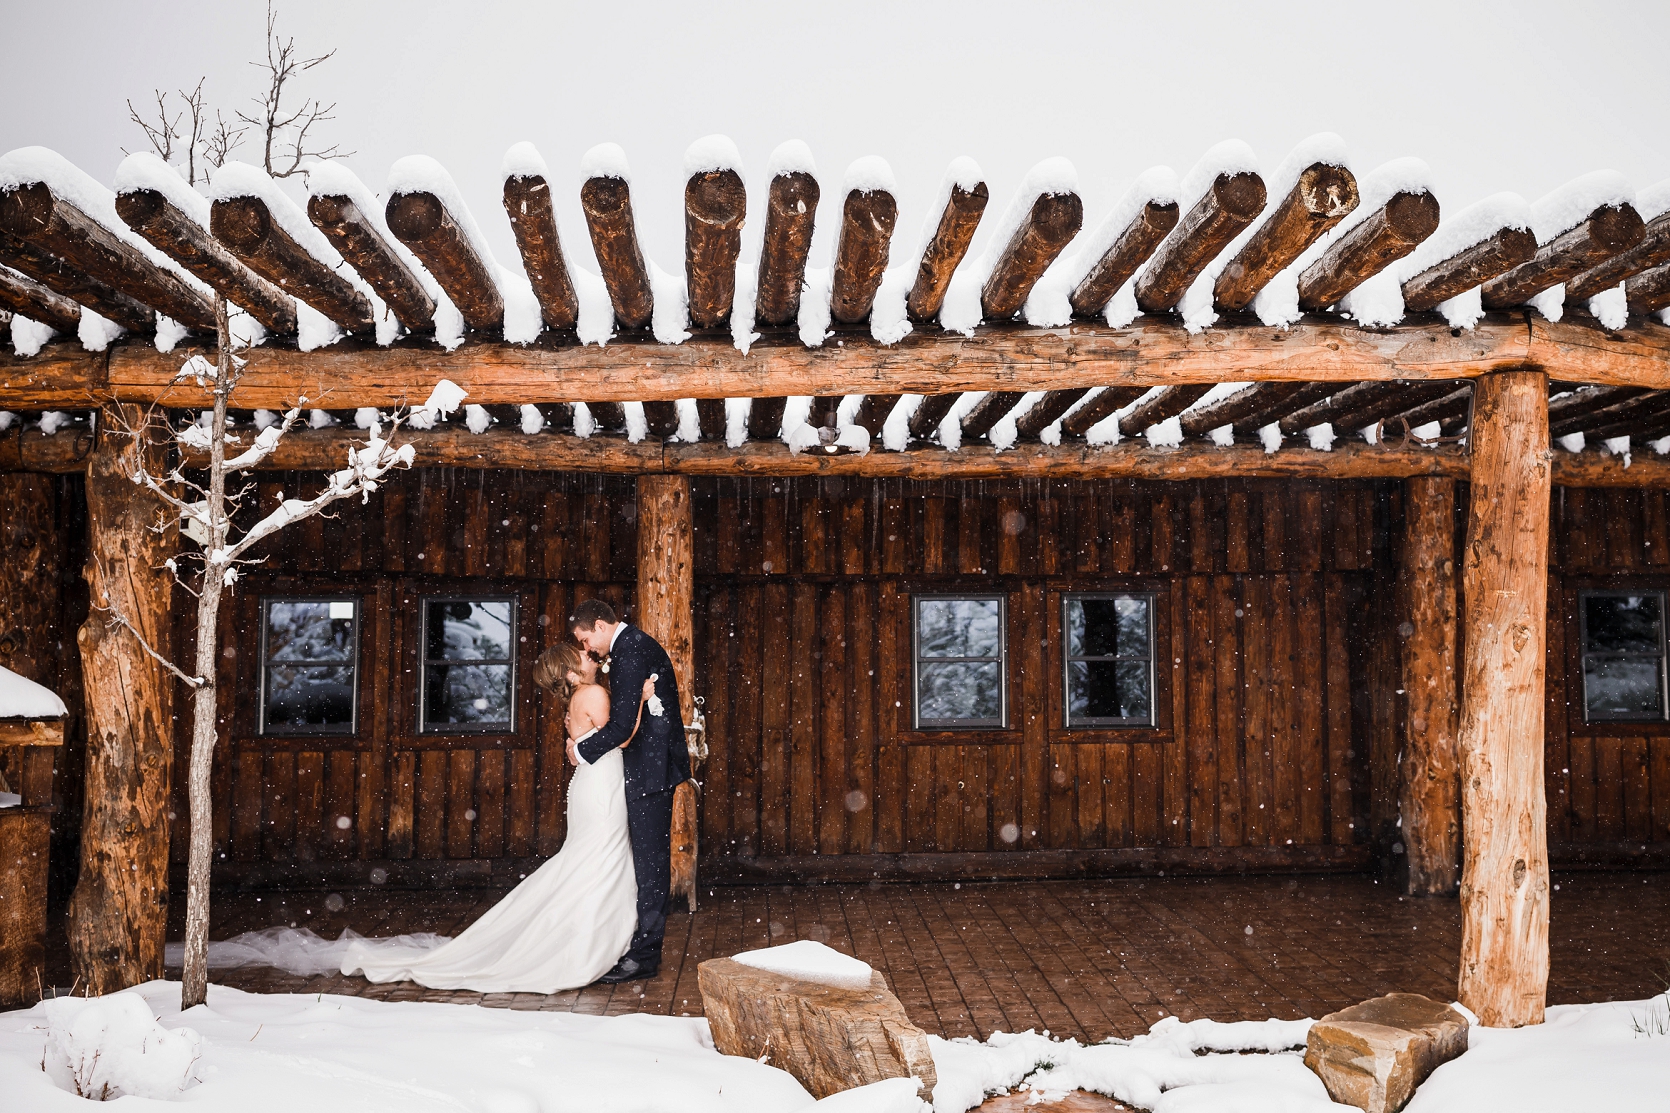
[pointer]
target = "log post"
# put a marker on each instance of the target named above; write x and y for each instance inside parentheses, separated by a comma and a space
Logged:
(666, 575)
(1431, 790)
(118, 914)
(1504, 877)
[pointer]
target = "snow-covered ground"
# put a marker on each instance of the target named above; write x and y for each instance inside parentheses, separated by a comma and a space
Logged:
(282, 1052)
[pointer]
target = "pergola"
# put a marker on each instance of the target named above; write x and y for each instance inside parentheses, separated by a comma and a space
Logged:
(1013, 392)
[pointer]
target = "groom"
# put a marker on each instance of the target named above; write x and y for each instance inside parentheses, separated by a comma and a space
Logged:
(656, 763)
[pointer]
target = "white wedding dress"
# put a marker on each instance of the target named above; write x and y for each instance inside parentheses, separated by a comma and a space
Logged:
(562, 928)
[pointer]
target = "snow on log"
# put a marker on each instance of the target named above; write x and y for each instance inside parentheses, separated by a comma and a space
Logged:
(1219, 197)
(1096, 410)
(1165, 403)
(791, 208)
(1486, 239)
(961, 204)
(30, 299)
(1340, 401)
(1649, 291)
(152, 199)
(1448, 407)
(1389, 233)
(1126, 239)
(715, 206)
(1228, 410)
(1631, 418)
(1322, 195)
(52, 273)
(1653, 251)
(872, 412)
(868, 215)
(351, 218)
(1578, 226)
(830, 1037)
(987, 412)
(533, 220)
(427, 214)
(255, 220)
(1569, 412)
(1045, 412)
(1042, 220)
(933, 410)
(606, 199)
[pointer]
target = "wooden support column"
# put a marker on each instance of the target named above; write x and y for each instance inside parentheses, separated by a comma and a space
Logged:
(1431, 783)
(666, 574)
(1504, 877)
(119, 912)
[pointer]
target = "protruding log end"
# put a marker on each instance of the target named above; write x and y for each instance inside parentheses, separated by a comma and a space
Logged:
(25, 208)
(527, 202)
(1607, 231)
(867, 220)
(1054, 220)
(30, 299)
(1649, 291)
(421, 221)
(1373, 245)
(1320, 199)
(1447, 278)
(945, 252)
(241, 223)
(369, 253)
(715, 205)
(1132, 249)
(607, 203)
(790, 213)
(1233, 202)
(140, 208)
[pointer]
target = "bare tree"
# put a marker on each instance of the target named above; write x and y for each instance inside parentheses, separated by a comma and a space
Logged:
(284, 130)
(164, 133)
(206, 145)
(205, 508)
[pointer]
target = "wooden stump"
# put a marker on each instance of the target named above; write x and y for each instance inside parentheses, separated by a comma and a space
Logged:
(684, 843)
(119, 912)
(831, 1039)
(1431, 791)
(1504, 879)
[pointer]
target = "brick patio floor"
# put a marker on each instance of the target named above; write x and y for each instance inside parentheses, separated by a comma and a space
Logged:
(1082, 959)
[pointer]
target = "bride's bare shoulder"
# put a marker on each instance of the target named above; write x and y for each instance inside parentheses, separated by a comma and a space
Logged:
(589, 696)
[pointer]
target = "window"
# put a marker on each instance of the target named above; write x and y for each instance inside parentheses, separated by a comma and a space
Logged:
(960, 663)
(469, 666)
(1109, 660)
(1623, 655)
(309, 666)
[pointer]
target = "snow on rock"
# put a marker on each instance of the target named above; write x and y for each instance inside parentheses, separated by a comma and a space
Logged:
(104, 1048)
(30, 336)
(962, 311)
(710, 154)
(791, 157)
(606, 160)
(22, 698)
(890, 1095)
(278, 1053)
(144, 170)
(810, 961)
(1561, 210)
(335, 179)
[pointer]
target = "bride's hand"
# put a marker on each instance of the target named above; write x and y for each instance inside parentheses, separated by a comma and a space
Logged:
(649, 686)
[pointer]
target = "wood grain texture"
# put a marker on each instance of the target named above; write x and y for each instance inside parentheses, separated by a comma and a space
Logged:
(423, 223)
(1649, 291)
(1231, 204)
(1322, 197)
(1393, 231)
(607, 203)
(1607, 232)
(1052, 222)
(57, 276)
(527, 202)
(1431, 790)
(249, 231)
(1096, 409)
(715, 204)
(1504, 883)
(945, 251)
(791, 209)
(1128, 252)
(867, 219)
(28, 298)
(665, 572)
(360, 242)
(1482, 262)
(1652, 251)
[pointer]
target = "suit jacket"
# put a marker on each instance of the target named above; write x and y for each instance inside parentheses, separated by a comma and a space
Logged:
(658, 759)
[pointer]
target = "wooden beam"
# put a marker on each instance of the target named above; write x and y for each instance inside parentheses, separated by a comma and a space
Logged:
(990, 410)
(1168, 402)
(1454, 405)
(765, 418)
(118, 915)
(608, 415)
(1386, 236)
(710, 418)
(661, 418)
(1111, 399)
(1630, 419)
(1567, 413)
(1322, 197)
(61, 279)
(666, 577)
(1649, 291)
(607, 203)
(30, 299)
(873, 411)
(245, 226)
(1045, 412)
(189, 244)
(791, 209)
(1507, 249)
(32, 732)
(1652, 251)
(52, 224)
(1129, 251)
(1607, 231)
(354, 235)
(940, 259)
(715, 204)
(433, 234)
(1238, 408)
(1049, 227)
(1504, 881)
(1233, 202)
(1431, 766)
(1339, 403)
(930, 412)
(867, 219)
(1378, 406)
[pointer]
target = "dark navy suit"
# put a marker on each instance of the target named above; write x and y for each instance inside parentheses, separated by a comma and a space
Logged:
(656, 763)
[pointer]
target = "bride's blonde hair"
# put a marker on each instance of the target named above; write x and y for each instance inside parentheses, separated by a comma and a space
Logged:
(552, 669)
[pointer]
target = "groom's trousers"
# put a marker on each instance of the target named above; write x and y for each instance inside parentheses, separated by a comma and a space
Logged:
(649, 822)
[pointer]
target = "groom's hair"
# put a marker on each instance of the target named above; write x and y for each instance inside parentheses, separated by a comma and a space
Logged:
(589, 613)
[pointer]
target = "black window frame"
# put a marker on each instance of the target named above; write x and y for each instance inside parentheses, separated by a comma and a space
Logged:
(1105, 722)
(424, 728)
(307, 730)
(1662, 656)
(1002, 660)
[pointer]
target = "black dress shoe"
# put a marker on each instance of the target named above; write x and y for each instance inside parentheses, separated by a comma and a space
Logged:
(628, 970)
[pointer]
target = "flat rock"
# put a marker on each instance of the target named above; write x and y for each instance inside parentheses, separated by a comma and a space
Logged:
(1076, 1101)
(830, 1038)
(1373, 1055)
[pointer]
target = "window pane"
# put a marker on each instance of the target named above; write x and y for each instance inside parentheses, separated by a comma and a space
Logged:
(1110, 627)
(310, 697)
(960, 690)
(468, 630)
(1108, 690)
(1622, 687)
(466, 694)
(1621, 623)
(959, 627)
(304, 630)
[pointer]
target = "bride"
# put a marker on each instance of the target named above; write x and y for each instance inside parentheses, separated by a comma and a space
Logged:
(571, 920)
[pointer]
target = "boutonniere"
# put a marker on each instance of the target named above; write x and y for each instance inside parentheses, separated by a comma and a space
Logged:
(605, 666)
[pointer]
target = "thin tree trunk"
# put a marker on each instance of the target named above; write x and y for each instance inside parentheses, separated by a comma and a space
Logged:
(194, 989)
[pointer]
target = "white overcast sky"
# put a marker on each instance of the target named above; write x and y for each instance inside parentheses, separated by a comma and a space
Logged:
(1495, 96)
